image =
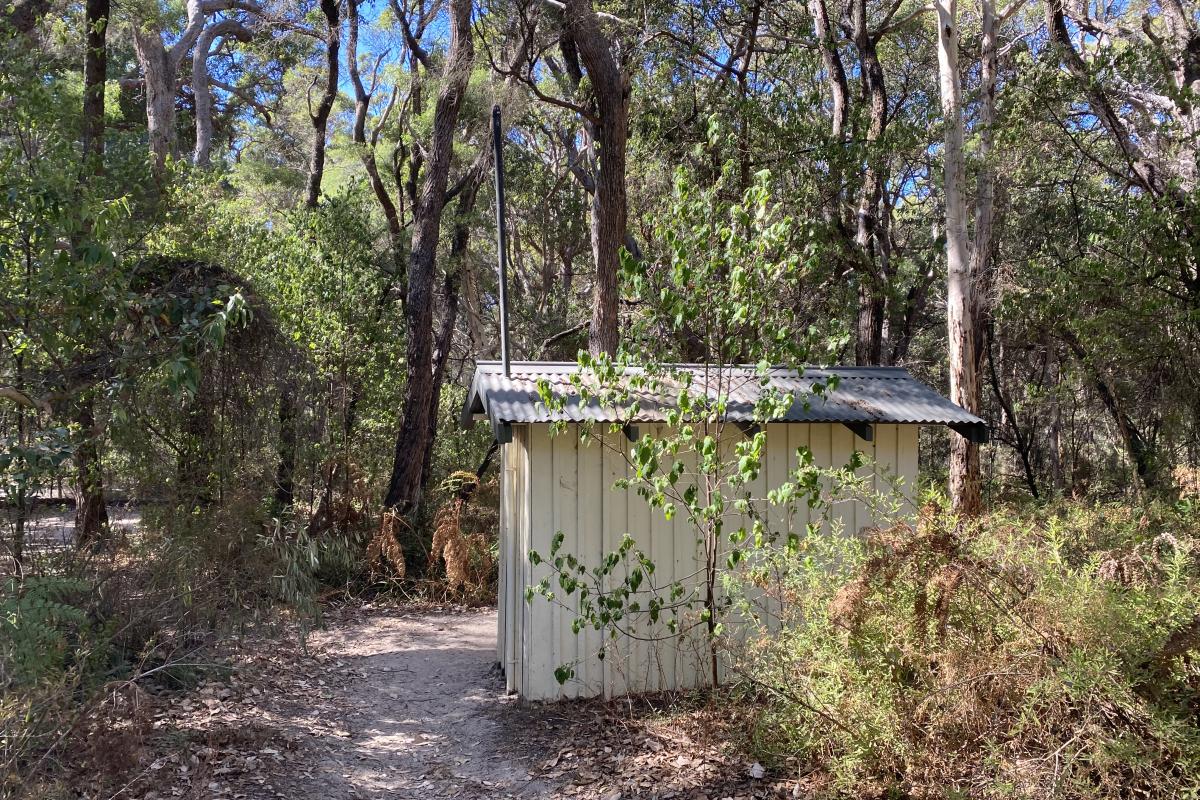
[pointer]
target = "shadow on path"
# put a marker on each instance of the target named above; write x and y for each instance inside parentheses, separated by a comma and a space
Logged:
(406, 706)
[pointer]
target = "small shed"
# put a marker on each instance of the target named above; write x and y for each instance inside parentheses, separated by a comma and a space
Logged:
(555, 483)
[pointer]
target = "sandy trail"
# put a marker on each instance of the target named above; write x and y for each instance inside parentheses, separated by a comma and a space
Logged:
(399, 703)
(411, 706)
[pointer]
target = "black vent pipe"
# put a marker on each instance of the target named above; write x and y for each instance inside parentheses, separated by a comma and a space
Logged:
(501, 236)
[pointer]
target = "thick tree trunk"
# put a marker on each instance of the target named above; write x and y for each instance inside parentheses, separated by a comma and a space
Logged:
(160, 68)
(965, 488)
(460, 240)
(404, 488)
(872, 287)
(609, 211)
(320, 116)
(868, 339)
(158, 77)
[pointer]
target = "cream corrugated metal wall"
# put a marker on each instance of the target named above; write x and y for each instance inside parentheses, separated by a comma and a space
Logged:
(555, 483)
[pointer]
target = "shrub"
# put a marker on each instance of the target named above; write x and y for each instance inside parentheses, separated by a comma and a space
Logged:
(1046, 654)
(465, 529)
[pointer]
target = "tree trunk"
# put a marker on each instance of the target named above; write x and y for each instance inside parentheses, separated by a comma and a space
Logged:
(868, 339)
(609, 212)
(460, 240)
(872, 285)
(95, 71)
(320, 117)
(91, 513)
(960, 289)
(158, 76)
(201, 90)
(160, 67)
(404, 488)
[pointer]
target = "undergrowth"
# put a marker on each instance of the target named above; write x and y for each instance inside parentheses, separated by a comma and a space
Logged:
(1050, 653)
(82, 629)
(464, 545)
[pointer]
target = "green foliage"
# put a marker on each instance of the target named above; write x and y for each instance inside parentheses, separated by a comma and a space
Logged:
(1025, 653)
(717, 286)
(41, 629)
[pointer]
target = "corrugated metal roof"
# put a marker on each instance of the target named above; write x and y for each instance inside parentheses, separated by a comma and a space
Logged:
(863, 395)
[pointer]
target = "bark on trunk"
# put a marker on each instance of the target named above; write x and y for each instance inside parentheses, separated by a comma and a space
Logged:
(91, 512)
(160, 68)
(873, 280)
(960, 300)
(158, 78)
(609, 212)
(404, 488)
(460, 240)
(320, 117)
(202, 91)
(95, 70)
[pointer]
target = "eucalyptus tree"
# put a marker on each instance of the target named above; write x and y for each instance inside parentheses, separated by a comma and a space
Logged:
(593, 74)
(161, 52)
(319, 116)
(91, 511)
(413, 440)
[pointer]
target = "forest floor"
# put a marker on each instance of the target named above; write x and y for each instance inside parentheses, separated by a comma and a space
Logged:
(395, 702)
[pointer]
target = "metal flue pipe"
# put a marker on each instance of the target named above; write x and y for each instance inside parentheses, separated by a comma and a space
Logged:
(501, 235)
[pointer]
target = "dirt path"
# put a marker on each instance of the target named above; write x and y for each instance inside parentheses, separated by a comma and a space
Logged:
(397, 703)
(409, 706)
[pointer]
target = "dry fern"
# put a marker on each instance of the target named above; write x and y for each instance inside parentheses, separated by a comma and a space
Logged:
(384, 547)
(463, 532)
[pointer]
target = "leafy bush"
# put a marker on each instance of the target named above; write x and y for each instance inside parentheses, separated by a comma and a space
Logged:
(40, 627)
(1048, 654)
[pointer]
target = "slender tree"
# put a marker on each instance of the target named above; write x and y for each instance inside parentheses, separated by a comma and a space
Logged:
(91, 511)
(960, 286)
(609, 128)
(404, 487)
(319, 116)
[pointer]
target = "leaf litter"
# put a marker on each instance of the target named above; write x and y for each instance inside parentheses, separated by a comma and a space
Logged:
(402, 702)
